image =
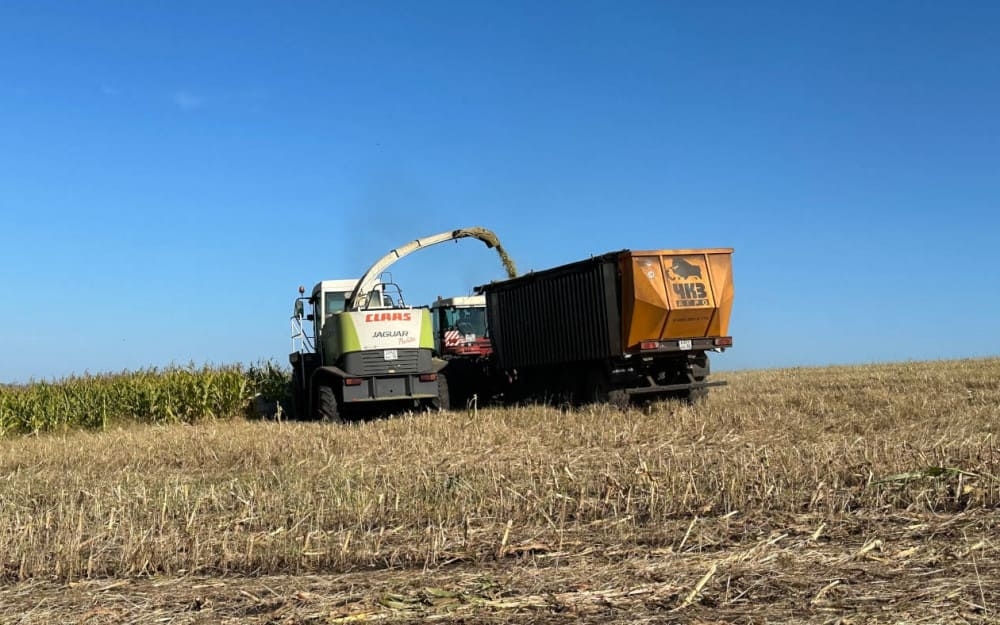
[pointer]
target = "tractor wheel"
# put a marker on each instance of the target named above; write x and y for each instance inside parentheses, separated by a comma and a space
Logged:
(443, 401)
(327, 408)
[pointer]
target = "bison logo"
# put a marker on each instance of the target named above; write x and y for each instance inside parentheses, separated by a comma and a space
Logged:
(684, 269)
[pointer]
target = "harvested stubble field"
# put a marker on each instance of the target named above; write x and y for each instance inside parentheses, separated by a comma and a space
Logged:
(854, 494)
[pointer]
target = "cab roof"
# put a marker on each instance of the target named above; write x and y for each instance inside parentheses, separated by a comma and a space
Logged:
(467, 301)
(327, 286)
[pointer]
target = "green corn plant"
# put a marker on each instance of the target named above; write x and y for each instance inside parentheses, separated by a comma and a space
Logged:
(173, 394)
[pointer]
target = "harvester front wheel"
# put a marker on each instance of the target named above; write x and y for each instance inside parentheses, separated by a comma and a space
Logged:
(300, 398)
(327, 407)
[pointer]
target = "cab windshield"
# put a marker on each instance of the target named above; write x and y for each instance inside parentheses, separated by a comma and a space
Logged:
(465, 320)
(334, 302)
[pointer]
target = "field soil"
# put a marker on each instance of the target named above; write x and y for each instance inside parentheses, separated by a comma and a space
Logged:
(862, 494)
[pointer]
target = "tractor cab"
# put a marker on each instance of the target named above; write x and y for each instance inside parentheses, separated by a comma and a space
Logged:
(460, 326)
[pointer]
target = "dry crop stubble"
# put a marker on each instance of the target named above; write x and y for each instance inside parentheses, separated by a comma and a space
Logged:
(787, 487)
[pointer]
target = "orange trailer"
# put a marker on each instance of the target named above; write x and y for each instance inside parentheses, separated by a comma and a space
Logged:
(620, 326)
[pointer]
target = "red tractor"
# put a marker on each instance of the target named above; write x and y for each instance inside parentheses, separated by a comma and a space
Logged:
(461, 337)
(460, 326)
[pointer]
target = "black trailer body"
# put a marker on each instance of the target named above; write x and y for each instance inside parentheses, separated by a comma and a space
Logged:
(563, 315)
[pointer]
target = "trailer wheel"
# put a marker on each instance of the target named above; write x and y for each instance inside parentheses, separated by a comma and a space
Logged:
(698, 370)
(619, 399)
(327, 408)
(696, 395)
(599, 389)
(443, 401)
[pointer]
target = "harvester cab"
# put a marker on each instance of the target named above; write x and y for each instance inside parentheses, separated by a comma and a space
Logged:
(327, 298)
(460, 326)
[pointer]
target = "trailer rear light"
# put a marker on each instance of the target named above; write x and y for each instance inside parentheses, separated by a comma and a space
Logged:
(428, 377)
(724, 341)
(649, 345)
(353, 381)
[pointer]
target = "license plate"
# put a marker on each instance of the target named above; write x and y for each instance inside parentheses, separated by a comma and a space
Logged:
(390, 354)
(684, 344)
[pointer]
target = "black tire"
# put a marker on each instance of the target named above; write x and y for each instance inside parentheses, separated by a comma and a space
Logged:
(460, 379)
(696, 395)
(698, 370)
(300, 402)
(598, 389)
(619, 399)
(699, 365)
(443, 401)
(327, 408)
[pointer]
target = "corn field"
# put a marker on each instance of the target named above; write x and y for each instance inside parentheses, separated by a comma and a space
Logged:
(170, 395)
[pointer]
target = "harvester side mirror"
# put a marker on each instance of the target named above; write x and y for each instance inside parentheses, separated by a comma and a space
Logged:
(299, 310)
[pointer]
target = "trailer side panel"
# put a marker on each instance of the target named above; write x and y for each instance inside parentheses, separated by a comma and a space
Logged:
(563, 315)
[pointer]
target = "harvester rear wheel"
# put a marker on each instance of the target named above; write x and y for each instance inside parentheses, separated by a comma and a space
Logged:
(443, 401)
(327, 407)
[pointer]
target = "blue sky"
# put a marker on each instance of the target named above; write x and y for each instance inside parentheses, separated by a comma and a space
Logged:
(171, 172)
